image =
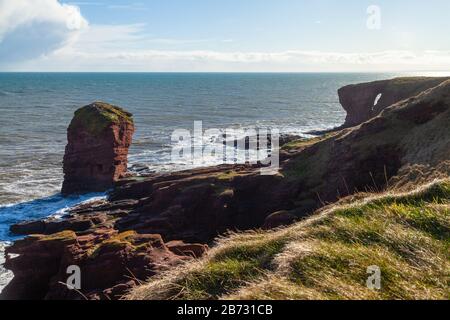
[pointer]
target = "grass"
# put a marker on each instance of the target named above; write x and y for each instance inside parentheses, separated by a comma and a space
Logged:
(60, 236)
(303, 143)
(229, 175)
(310, 166)
(326, 256)
(119, 241)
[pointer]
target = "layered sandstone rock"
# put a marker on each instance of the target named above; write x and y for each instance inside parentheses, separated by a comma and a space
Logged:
(110, 263)
(366, 100)
(96, 154)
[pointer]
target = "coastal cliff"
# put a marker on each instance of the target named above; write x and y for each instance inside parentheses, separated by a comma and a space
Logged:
(366, 100)
(153, 223)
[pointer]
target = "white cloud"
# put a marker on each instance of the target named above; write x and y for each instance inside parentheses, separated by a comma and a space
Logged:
(201, 60)
(129, 6)
(114, 38)
(55, 37)
(29, 28)
(86, 3)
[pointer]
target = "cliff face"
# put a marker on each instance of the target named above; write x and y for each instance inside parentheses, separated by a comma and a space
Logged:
(96, 154)
(410, 139)
(366, 100)
(110, 263)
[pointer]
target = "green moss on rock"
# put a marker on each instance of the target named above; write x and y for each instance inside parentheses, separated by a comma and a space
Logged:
(98, 116)
(60, 236)
(306, 142)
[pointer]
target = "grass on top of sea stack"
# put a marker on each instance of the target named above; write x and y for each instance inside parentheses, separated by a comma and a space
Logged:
(326, 256)
(98, 116)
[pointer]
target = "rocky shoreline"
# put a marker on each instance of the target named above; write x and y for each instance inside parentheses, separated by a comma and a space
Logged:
(153, 222)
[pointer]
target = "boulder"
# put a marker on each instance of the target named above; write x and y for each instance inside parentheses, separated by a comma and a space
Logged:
(96, 154)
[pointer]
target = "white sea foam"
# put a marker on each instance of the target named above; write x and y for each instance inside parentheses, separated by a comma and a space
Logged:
(5, 275)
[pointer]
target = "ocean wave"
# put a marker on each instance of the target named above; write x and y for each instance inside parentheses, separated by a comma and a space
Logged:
(55, 205)
(5, 275)
(160, 161)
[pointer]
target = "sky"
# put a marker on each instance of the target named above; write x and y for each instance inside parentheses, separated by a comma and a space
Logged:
(225, 35)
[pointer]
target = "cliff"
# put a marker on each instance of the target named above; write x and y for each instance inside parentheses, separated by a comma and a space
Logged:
(366, 100)
(407, 144)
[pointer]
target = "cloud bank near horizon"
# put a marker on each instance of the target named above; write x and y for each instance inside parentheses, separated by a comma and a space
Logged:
(45, 35)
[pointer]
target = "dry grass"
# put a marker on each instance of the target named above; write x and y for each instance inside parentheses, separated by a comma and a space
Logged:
(326, 256)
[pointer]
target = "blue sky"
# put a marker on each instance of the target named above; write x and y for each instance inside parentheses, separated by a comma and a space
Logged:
(219, 35)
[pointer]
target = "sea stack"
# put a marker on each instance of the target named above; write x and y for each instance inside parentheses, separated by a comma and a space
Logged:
(96, 154)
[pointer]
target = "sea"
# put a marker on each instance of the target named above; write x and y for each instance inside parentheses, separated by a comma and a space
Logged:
(36, 109)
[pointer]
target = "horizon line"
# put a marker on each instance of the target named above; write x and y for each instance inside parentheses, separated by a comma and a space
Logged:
(239, 72)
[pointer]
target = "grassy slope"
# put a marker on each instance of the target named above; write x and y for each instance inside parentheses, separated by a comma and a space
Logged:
(326, 256)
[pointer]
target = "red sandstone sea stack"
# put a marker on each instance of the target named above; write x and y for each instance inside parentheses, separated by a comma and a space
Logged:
(96, 154)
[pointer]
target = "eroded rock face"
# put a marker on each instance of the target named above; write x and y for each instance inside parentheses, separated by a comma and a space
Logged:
(366, 100)
(96, 154)
(110, 263)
